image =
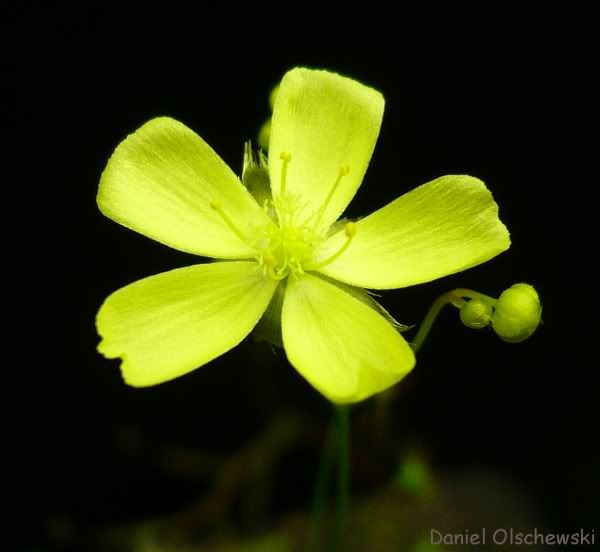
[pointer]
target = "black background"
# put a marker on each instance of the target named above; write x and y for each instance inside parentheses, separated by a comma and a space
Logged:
(496, 92)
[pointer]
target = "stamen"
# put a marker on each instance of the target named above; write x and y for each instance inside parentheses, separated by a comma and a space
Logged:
(344, 170)
(350, 231)
(217, 206)
(285, 158)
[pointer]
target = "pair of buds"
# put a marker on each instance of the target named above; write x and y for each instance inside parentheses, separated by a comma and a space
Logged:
(514, 316)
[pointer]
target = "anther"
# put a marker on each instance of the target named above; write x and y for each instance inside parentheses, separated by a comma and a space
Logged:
(217, 206)
(285, 158)
(350, 232)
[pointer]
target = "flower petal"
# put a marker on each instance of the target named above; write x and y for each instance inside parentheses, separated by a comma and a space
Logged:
(160, 181)
(442, 227)
(169, 324)
(324, 121)
(343, 348)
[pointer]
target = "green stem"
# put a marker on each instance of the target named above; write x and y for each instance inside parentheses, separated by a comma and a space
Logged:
(336, 449)
(342, 422)
(456, 298)
(319, 501)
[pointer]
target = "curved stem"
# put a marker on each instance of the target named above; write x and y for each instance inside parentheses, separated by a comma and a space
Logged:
(456, 298)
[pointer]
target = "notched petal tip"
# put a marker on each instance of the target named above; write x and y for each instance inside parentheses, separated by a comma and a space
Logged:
(167, 325)
(104, 349)
(109, 350)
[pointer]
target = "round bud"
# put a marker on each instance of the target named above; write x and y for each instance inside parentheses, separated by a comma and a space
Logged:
(517, 314)
(273, 96)
(476, 314)
(264, 135)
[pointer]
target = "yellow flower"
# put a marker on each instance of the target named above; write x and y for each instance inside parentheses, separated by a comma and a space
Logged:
(165, 182)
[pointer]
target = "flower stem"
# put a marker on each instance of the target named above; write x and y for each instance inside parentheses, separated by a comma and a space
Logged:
(456, 298)
(339, 435)
(336, 450)
(319, 500)
(342, 422)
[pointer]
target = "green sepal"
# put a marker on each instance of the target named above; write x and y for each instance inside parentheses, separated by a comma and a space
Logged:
(476, 314)
(368, 298)
(264, 135)
(255, 174)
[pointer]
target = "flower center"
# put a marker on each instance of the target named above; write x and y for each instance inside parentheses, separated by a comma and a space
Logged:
(290, 245)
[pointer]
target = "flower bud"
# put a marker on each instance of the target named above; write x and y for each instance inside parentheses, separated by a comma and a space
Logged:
(273, 96)
(264, 135)
(517, 313)
(476, 314)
